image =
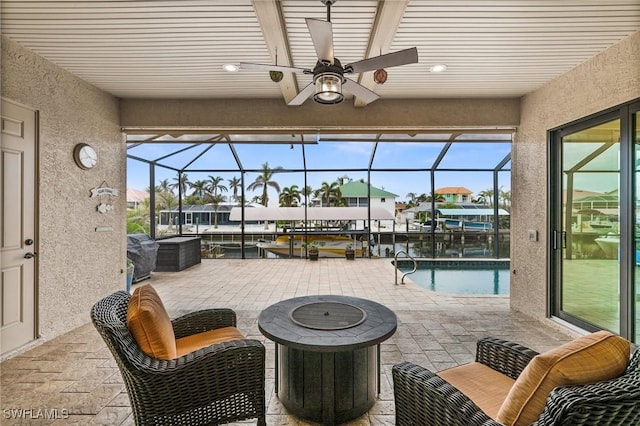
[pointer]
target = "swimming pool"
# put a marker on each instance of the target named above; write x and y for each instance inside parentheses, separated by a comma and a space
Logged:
(469, 277)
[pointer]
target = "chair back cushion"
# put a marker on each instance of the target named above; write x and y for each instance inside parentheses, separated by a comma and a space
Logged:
(150, 325)
(592, 358)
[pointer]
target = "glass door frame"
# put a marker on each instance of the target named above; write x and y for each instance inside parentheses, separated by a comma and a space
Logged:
(627, 184)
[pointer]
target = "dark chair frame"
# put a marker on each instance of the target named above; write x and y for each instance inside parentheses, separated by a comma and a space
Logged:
(422, 398)
(218, 384)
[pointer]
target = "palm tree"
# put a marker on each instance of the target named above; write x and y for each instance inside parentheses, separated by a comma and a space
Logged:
(216, 199)
(412, 196)
(193, 200)
(264, 181)
(215, 185)
(181, 182)
(343, 179)
(163, 186)
(234, 185)
(422, 198)
(307, 191)
(485, 197)
(199, 188)
(329, 192)
(290, 196)
(436, 197)
(166, 200)
(505, 196)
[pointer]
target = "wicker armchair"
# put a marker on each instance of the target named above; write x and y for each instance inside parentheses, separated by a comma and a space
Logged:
(422, 398)
(218, 384)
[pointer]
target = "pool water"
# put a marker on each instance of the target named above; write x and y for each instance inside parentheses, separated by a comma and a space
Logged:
(475, 278)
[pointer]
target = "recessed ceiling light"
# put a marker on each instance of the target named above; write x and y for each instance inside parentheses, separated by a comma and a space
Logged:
(230, 67)
(438, 68)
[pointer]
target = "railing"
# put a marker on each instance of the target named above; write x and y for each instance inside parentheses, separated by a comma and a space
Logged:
(395, 262)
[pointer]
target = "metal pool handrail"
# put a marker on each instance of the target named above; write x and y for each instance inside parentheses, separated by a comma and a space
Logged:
(395, 263)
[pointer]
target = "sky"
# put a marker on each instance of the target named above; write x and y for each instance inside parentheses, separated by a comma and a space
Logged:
(333, 158)
(601, 174)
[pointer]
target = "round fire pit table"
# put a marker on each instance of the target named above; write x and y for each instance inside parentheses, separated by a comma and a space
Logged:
(327, 354)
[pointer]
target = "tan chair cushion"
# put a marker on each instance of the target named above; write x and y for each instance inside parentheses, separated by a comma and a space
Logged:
(486, 387)
(592, 358)
(150, 325)
(192, 343)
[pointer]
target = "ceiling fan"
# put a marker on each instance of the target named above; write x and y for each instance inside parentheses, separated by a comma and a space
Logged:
(328, 73)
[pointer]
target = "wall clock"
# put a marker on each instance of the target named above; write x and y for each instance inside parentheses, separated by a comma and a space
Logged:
(85, 156)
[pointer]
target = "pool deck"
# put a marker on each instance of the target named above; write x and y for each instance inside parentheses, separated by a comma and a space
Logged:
(76, 373)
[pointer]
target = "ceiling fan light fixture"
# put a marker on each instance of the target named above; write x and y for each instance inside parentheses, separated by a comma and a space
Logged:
(328, 88)
(328, 73)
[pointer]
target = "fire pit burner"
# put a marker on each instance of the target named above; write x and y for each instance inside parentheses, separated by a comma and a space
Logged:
(328, 315)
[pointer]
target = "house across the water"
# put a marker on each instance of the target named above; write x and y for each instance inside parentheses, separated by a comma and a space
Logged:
(454, 194)
(468, 217)
(357, 194)
(197, 214)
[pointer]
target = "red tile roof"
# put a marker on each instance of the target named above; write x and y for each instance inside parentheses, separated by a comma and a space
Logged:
(453, 190)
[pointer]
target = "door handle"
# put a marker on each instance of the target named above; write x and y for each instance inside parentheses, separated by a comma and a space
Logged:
(559, 240)
(30, 255)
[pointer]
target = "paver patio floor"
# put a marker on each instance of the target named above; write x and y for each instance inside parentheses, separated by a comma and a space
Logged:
(76, 375)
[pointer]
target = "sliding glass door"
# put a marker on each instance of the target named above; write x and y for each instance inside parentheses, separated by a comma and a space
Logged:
(635, 134)
(589, 235)
(594, 222)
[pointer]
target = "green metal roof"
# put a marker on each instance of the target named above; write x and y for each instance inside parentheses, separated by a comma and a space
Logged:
(596, 198)
(359, 189)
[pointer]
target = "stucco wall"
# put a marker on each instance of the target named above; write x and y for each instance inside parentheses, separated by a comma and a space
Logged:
(274, 113)
(76, 264)
(609, 79)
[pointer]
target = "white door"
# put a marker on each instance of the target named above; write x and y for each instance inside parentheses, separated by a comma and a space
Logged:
(18, 231)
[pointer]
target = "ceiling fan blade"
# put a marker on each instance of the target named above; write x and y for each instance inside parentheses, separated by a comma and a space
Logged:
(359, 91)
(303, 95)
(266, 67)
(402, 57)
(322, 36)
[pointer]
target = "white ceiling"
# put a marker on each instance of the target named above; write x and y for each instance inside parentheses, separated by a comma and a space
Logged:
(176, 48)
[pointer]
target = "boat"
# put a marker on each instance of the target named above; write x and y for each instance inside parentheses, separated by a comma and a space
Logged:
(610, 245)
(422, 226)
(452, 224)
(601, 225)
(456, 224)
(328, 245)
(477, 226)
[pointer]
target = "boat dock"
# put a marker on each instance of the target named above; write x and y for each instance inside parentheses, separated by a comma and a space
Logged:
(227, 241)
